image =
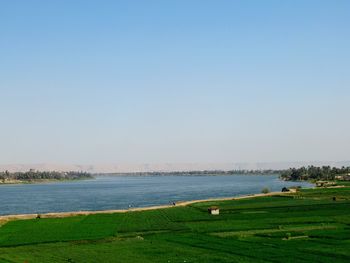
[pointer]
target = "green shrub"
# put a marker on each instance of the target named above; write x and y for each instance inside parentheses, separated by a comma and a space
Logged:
(265, 190)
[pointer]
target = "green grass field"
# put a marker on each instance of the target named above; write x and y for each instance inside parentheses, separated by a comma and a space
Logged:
(305, 227)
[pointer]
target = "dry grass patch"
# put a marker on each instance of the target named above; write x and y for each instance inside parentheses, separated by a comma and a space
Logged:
(274, 230)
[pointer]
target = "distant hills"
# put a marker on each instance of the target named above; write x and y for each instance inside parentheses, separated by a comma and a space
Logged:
(165, 167)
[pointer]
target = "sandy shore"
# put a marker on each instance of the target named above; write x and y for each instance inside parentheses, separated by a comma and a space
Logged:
(77, 213)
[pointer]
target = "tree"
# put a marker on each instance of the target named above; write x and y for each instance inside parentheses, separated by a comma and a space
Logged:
(265, 190)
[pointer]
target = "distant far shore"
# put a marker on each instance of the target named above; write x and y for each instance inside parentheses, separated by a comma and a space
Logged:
(309, 173)
(37, 177)
(120, 167)
(194, 173)
(33, 176)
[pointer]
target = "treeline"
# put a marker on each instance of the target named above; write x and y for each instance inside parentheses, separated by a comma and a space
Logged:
(316, 173)
(33, 175)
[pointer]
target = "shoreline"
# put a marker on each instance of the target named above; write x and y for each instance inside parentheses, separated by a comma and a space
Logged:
(95, 176)
(6, 218)
(41, 181)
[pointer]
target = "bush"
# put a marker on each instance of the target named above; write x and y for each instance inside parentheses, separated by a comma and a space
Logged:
(265, 190)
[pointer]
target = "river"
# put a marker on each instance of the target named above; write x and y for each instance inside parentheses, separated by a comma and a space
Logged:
(121, 192)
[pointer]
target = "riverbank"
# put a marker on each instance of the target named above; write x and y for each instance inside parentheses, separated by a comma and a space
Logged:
(41, 181)
(32, 177)
(6, 218)
(44, 181)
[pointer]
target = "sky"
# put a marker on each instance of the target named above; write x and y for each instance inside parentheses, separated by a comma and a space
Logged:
(174, 81)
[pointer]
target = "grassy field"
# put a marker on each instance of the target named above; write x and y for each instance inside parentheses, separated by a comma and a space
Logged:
(304, 227)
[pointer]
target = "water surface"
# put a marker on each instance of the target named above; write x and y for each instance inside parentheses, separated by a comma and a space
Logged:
(121, 192)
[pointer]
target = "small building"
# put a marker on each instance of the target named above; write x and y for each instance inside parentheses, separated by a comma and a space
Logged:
(324, 184)
(344, 177)
(213, 210)
(292, 189)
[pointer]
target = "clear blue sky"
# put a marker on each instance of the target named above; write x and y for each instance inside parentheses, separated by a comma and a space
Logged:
(174, 81)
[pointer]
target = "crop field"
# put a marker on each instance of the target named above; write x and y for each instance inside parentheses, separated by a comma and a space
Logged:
(312, 225)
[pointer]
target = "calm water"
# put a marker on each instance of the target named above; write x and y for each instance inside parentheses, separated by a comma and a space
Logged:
(108, 192)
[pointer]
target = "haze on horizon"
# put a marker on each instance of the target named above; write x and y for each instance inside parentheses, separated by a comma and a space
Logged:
(174, 81)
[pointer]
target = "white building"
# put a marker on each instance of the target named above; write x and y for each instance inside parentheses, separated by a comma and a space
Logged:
(214, 210)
